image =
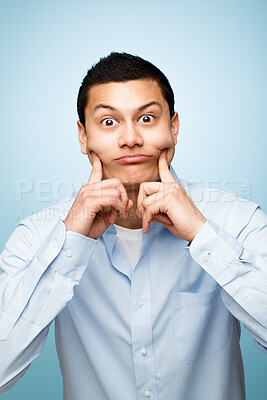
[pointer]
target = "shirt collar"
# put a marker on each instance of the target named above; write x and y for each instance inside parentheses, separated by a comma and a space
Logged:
(115, 252)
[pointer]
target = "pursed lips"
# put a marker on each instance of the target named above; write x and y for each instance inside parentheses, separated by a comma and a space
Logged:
(132, 158)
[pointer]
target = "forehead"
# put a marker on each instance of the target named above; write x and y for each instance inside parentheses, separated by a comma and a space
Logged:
(126, 95)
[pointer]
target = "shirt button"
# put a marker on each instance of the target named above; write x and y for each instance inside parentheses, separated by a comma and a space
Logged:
(147, 393)
(69, 253)
(143, 351)
(55, 243)
(139, 303)
(206, 256)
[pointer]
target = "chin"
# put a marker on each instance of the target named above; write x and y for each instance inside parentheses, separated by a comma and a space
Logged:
(134, 175)
(137, 178)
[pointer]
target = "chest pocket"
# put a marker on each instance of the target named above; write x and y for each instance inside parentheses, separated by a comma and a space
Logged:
(202, 323)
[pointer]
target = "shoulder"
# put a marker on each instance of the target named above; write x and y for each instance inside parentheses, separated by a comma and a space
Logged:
(224, 208)
(40, 224)
(31, 233)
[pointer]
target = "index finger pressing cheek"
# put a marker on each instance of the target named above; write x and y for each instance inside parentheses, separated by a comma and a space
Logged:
(97, 172)
(164, 172)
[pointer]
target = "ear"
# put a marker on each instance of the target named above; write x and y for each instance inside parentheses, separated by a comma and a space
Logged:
(175, 124)
(82, 137)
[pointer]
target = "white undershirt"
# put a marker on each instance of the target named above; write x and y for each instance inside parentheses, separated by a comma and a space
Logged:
(131, 243)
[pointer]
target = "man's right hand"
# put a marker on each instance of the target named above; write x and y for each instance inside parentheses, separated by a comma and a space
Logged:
(97, 204)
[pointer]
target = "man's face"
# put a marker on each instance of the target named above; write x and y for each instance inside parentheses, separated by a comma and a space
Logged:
(120, 122)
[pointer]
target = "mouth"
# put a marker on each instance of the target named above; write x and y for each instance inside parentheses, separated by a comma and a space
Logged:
(132, 158)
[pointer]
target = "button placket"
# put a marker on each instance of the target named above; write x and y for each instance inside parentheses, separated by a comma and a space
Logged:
(139, 303)
(142, 337)
(143, 351)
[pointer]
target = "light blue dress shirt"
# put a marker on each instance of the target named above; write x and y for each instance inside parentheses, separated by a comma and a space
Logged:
(169, 329)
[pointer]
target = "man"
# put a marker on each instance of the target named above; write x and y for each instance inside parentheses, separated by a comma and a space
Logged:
(146, 276)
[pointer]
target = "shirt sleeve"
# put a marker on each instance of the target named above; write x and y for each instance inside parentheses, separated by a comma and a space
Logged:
(37, 280)
(239, 265)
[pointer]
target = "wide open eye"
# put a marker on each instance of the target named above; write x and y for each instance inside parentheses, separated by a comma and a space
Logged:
(146, 118)
(109, 122)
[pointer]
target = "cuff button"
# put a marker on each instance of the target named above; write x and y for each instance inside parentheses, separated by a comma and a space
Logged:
(206, 256)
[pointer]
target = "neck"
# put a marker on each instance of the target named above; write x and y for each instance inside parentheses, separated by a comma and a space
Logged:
(132, 221)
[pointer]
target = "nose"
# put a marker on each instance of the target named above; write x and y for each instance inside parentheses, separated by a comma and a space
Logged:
(130, 136)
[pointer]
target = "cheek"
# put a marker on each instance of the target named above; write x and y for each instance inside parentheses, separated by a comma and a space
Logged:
(100, 147)
(162, 137)
(164, 141)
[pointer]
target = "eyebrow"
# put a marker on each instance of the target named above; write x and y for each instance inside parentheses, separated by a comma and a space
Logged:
(106, 106)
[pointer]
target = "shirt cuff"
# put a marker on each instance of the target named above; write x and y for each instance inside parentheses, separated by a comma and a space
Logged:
(214, 249)
(66, 252)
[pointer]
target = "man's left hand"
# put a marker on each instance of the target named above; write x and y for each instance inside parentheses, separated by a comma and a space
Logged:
(167, 203)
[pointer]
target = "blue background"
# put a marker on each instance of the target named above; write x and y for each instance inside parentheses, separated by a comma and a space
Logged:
(214, 54)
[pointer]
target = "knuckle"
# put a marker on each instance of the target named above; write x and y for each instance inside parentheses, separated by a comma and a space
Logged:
(113, 198)
(82, 190)
(143, 202)
(147, 186)
(142, 185)
(117, 192)
(83, 195)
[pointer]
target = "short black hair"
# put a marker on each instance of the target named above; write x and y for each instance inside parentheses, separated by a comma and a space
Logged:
(122, 67)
